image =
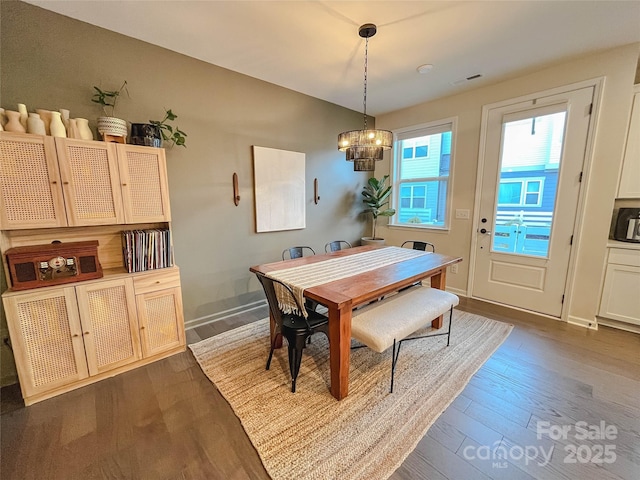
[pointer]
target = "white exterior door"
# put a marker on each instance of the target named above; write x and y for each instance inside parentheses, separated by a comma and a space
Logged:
(531, 170)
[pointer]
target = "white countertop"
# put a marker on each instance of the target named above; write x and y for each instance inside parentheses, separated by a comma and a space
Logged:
(627, 245)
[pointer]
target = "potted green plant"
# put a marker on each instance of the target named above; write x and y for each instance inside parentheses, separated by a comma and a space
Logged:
(170, 133)
(376, 195)
(109, 124)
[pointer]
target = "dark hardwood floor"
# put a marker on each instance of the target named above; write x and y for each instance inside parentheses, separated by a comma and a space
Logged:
(167, 421)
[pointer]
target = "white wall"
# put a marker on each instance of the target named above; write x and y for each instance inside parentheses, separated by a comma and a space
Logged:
(618, 67)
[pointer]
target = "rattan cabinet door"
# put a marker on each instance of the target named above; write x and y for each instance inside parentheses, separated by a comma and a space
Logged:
(145, 190)
(109, 324)
(161, 321)
(46, 338)
(30, 189)
(90, 181)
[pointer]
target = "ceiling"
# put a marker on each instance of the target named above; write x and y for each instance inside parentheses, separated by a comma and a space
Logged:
(313, 47)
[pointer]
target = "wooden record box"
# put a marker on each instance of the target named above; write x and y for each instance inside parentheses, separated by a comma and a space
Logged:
(52, 264)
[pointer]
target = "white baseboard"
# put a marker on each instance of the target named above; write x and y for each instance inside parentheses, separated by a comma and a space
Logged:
(583, 322)
(629, 327)
(214, 317)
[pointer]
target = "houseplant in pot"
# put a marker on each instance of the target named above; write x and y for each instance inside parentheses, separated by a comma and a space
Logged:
(109, 124)
(376, 195)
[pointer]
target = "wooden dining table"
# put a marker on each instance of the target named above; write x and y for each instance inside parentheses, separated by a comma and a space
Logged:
(343, 295)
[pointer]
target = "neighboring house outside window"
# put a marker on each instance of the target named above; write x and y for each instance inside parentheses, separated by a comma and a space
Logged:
(421, 175)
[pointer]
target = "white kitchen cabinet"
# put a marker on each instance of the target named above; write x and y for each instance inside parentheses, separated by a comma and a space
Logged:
(621, 292)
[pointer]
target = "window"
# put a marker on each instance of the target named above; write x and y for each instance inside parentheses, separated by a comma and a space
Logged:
(421, 179)
(520, 192)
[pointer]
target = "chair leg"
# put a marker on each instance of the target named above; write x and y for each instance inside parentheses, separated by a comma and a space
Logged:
(295, 358)
(273, 343)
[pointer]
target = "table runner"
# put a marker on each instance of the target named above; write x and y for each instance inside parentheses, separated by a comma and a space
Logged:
(306, 276)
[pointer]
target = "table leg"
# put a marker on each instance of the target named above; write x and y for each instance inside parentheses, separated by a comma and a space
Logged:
(439, 281)
(340, 350)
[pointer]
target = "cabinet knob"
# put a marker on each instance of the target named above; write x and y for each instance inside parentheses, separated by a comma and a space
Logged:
(157, 281)
(142, 327)
(86, 333)
(124, 184)
(54, 182)
(75, 335)
(65, 183)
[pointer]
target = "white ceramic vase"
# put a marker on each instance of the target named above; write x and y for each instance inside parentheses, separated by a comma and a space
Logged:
(56, 126)
(3, 118)
(84, 131)
(22, 109)
(45, 115)
(72, 131)
(64, 113)
(13, 122)
(35, 124)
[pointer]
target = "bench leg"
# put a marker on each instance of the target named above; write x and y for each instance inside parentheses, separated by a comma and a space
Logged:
(394, 359)
(450, 322)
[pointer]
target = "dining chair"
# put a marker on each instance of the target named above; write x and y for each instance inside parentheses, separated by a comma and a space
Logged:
(297, 252)
(336, 245)
(417, 245)
(294, 327)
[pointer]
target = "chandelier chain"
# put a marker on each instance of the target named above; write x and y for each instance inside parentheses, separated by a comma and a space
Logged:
(366, 54)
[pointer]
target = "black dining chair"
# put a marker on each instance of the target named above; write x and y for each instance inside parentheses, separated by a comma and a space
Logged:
(336, 245)
(297, 252)
(294, 327)
(417, 245)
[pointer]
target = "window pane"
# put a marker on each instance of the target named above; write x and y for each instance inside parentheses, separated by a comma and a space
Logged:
(531, 199)
(421, 179)
(509, 193)
(427, 208)
(421, 151)
(533, 187)
(531, 155)
(432, 156)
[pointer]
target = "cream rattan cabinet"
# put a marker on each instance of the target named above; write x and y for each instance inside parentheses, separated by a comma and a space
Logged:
(55, 182)
(67, 190)
(159, 304)
(65, 338)
(46, 337)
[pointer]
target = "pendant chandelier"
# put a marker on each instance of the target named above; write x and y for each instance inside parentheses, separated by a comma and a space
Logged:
(364, 147)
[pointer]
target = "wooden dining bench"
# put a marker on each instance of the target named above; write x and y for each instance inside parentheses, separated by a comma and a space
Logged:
(391, 321)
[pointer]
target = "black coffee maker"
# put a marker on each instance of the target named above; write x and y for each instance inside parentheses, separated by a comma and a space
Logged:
(627, 227)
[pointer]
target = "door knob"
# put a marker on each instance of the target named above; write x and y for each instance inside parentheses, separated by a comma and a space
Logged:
(484, 231)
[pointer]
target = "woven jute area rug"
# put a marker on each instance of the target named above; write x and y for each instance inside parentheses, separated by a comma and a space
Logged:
(367, 435)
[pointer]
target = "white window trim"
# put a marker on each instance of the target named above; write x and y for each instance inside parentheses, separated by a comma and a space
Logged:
(430, 128)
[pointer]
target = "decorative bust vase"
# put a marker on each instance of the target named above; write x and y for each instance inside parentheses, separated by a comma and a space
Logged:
(13, 122)
(35, 124)
(84, 131)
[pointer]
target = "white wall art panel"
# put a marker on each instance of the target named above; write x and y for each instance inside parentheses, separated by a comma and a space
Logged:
(279, 189)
